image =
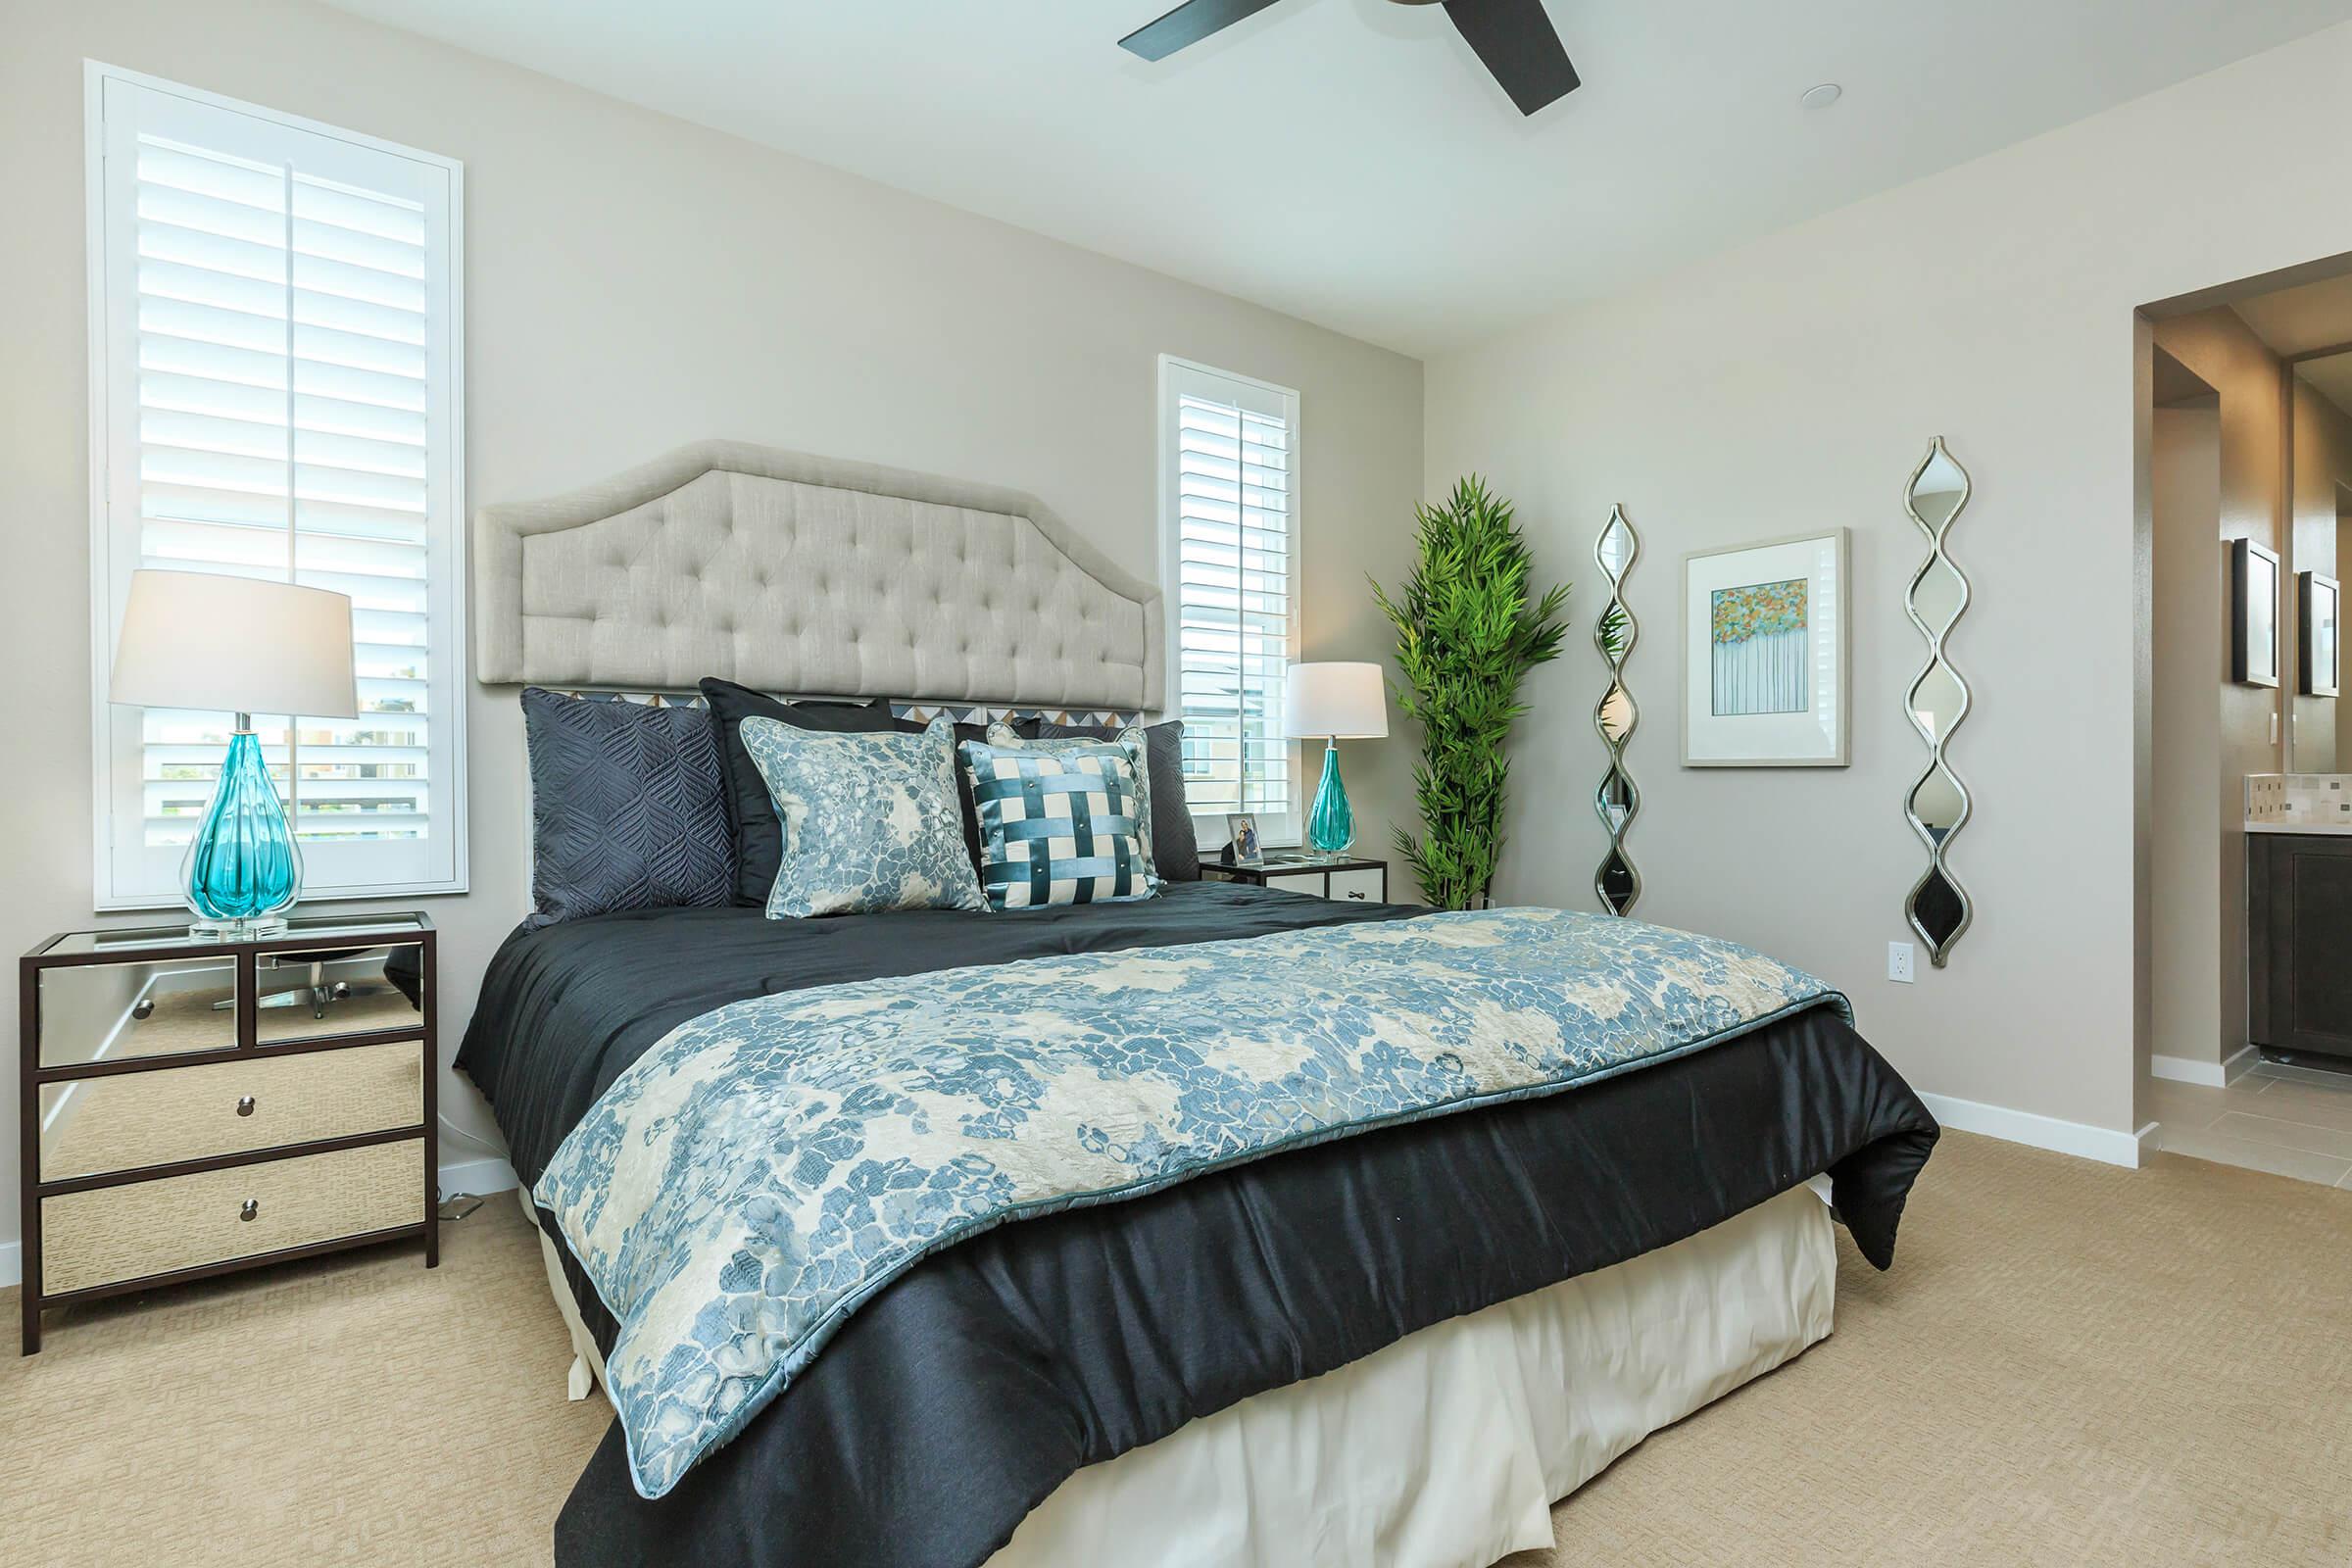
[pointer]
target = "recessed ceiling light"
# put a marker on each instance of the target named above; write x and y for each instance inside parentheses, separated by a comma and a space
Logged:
(1820, 97)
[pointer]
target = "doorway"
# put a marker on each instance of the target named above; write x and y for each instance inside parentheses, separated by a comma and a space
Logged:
(2249, 469)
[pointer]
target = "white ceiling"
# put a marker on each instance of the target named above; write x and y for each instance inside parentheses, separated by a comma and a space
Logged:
(1348, 161)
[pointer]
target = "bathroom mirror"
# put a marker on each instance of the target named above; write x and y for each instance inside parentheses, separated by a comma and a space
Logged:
(1614, 717)
(1937, 805)
(2319, 552)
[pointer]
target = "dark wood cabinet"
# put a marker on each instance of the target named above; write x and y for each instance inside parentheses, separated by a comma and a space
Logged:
(2299, 942)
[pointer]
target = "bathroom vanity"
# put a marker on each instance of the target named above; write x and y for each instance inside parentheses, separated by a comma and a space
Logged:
(2299, 915)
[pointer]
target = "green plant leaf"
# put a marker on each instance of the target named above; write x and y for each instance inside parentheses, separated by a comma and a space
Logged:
(1466, 637)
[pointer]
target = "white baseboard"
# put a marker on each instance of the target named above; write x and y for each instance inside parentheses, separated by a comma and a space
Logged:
(2079, 1139)
(2208, 1074)
(481, 1176)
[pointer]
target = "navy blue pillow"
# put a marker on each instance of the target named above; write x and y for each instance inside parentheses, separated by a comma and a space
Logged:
(628, 806)
(752, 821)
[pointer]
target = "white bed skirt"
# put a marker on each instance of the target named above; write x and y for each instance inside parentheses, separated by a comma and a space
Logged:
(1448, 1448)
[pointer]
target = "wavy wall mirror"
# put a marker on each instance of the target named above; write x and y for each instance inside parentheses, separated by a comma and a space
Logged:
(1939, 804)
(1614, 717)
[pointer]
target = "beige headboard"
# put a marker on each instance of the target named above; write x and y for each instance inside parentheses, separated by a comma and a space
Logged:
(807, 575)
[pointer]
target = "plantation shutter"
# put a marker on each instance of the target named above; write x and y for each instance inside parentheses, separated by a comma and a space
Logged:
(1231, 452)
(278, 335)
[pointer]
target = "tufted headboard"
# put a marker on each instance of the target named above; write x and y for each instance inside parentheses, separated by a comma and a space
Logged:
(811, 576)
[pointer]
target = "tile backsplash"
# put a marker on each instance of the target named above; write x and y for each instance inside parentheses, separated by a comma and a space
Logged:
(2302, 798)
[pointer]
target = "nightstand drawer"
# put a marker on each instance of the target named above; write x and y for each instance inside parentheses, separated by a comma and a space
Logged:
(123, 1232)
(318, 993)
(136, 1119)
(111, 1011)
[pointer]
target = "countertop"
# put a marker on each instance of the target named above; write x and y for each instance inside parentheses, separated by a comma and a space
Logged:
(2324, 830)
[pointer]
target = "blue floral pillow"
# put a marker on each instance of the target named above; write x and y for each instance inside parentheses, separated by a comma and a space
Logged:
(870, 820)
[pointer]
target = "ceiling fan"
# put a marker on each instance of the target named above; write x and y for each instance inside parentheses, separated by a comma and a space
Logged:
(1514, 39)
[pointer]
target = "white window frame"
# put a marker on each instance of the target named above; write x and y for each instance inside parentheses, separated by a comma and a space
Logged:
(119, 887)
(1211, 826)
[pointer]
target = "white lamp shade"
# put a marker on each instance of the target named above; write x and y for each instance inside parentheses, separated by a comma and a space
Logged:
(1346, 701)
(191, 639)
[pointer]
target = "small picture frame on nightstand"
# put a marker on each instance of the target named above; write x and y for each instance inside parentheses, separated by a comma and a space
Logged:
(1243, 847)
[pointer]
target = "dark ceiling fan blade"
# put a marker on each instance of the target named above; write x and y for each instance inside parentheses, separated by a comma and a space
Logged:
(1517, 43)
(1188, 23)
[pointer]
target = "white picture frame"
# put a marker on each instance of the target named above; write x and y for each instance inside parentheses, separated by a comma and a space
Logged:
(1780, 695)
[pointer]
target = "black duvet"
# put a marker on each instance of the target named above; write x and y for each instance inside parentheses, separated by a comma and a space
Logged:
(965, 1391)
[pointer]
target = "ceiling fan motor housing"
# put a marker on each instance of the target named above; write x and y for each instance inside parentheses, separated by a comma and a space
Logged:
(1513, 40)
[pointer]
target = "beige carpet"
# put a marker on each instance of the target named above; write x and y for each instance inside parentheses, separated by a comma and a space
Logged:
(2069, 1364)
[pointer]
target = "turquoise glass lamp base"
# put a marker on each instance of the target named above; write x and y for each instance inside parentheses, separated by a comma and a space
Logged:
(1331, 824)
(243, 871)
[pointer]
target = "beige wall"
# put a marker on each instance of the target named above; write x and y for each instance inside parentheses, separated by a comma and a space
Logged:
(633, 282)
(2323, 477)
(2222, 351)
(2192, 652)
(1789, 385)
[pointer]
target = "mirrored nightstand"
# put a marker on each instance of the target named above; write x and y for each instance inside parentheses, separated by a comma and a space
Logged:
(192, 1108)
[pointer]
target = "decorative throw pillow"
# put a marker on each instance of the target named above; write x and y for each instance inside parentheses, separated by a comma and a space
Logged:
(751, 816)
(963, 793)
(1175, 846)
(628, 806)
(1130, 740)
(1059, 823)
(868, 821)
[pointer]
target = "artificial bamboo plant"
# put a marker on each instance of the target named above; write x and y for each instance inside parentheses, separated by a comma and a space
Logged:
(1468, 630)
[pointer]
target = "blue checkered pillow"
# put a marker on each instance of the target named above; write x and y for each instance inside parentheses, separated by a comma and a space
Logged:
(1060, 825)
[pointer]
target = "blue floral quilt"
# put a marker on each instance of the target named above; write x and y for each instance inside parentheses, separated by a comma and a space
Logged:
(769, 1165)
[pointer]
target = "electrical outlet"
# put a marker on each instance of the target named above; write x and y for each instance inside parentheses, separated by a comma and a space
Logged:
(1900, 955)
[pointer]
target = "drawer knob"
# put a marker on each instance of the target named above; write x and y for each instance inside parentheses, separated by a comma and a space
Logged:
(245, 1106)
(251, 1210)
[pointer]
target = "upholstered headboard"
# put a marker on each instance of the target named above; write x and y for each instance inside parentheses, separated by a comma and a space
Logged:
(807, 575)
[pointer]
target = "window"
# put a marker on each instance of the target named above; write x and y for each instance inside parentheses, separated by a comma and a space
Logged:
(275, 378)
(1229, 482)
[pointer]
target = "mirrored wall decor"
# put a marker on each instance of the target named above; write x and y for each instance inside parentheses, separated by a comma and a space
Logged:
(1615, 716)
(1939, 804)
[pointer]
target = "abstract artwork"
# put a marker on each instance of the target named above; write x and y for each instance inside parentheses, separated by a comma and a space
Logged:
(1766, 631)
(1760, 648)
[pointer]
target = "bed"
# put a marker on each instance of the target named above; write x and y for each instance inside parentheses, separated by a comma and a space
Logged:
(1397, 1342)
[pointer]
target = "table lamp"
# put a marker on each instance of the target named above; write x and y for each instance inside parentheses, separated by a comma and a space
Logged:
(1339, 702)
(196, 640)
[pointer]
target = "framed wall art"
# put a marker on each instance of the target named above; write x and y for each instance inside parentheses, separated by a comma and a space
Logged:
(1765, 640)
(2317, 656)
(2253, 614)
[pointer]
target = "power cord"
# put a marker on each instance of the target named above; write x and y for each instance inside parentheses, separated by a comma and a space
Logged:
(458, 1205)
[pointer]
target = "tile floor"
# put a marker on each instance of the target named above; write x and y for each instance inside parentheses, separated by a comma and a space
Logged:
(2290, 1121)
